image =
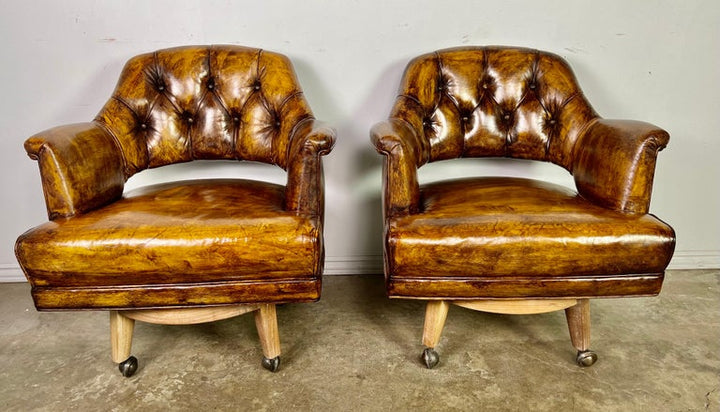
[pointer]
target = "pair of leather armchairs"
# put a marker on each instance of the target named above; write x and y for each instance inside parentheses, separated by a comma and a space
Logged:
(202, 250)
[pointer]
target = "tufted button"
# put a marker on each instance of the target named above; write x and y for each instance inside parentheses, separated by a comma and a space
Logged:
(532, 86)
(161, 87)
(234, 117)
(485, 86)
(256, 85)
(187, 117)
(506, 116)
(143, 126)
(211, 84)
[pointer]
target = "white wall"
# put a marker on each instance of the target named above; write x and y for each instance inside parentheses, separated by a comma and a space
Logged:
(656, 61)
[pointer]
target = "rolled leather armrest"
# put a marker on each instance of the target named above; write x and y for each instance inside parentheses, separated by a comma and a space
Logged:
(398, 141)
(81, 168)
(305, 185)
(615, 163)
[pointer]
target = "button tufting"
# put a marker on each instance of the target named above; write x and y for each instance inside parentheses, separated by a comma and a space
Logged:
(143, 126)
(256, 85)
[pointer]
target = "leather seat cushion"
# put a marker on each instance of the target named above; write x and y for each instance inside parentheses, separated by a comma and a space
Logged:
(182, 232)
(507, 227)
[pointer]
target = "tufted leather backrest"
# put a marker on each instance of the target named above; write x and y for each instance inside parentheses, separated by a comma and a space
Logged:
(204, 102)
(493, 101)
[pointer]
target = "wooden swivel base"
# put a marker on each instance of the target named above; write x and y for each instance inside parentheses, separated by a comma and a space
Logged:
(577, 312)
(123, 322)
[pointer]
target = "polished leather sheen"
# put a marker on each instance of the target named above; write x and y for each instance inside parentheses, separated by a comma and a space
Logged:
(496, 237)
(193, 243)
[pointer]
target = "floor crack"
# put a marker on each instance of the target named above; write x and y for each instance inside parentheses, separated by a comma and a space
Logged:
(707, 398)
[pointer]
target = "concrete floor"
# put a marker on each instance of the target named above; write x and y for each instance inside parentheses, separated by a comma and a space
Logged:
(357, 350)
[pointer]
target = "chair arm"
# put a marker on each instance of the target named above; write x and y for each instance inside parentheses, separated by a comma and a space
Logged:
(398, 141)
(81, 168)
(614, 163)
(304, 192)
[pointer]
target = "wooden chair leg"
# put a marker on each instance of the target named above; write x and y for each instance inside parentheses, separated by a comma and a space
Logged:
(121, 334)
(578, 319)
(435, 314)
(266, 322)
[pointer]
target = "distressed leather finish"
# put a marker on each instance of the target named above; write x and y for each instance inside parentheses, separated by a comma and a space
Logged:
(513, 238)
(193, 243)
(523, 229)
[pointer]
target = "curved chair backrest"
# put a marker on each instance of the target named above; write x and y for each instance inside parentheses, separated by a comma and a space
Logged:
(493, 101)
(217, 102)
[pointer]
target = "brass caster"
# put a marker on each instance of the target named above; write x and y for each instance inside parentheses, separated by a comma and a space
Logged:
(586, 358)
(128, 366)
(271, 364)
(430, 358)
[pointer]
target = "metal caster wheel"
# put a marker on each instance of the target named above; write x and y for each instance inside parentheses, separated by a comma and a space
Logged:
(271, 364)
(128, 366)
(430, 358)
(586, 358)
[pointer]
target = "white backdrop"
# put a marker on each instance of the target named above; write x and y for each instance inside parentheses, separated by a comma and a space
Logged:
(656, 61)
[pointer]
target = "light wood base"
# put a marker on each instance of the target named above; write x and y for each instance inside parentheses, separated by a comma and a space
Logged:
(266, 323)
(435, 315)
(577, 312)
(517, 307)
(188, 316)
(121, 333)
(578, 320)
(123, 322)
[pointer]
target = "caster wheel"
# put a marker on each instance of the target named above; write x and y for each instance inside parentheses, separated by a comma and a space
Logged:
(586, 358)
(430, 358)
(128, 366)
(271, 364)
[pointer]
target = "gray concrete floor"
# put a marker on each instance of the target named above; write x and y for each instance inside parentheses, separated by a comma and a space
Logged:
(357, 350)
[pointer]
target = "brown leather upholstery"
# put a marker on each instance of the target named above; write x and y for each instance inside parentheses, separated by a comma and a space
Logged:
(473, 233)
(235, 232)
(195, 243)
(508, 238)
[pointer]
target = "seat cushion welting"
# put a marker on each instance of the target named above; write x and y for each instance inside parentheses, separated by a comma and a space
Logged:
(509, 227)
(182, 232)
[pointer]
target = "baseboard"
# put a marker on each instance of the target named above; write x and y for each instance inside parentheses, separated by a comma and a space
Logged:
(695, 259)
(11, 272)
(354, 265)
(373, 264)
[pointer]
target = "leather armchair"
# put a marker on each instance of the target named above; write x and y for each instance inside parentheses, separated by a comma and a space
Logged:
(511, 245)
(187, 251)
